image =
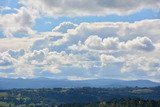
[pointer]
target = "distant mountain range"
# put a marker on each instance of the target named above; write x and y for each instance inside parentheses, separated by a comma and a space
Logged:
(9, 83)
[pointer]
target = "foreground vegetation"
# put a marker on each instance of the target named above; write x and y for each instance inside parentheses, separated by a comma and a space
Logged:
(81, 97)
(117, 103)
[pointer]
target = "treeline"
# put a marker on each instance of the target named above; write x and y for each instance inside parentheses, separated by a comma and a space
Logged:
(113, 103)
(77, 96)
(117, 103)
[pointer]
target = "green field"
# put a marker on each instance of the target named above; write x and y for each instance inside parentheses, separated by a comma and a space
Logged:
(3, 94)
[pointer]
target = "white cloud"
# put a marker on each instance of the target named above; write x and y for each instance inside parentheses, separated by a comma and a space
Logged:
(64, 60)
(78, 78)
(93, 47)
(13, 66)
(139, 43)
(16, 43)
(109, 59)
(108, 44)
(23, 20)
(94, 42)
(64, 27)
(46, 41)
(52, 69)
(134, 63)
(24, 71)
(117, 31)
(36, 57)
(20, 22)
(124, 31)
(6, 60)
(89, 7)
(97, 43)
(44, 61)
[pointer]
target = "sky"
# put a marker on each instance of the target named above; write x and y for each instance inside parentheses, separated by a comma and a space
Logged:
(80, 39)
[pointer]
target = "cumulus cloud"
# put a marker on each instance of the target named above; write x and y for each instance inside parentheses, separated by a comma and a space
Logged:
(123, 30)
(36, 57)
(93, 47)
(63, 59)
(139, 65)
(24, 64)
(135, 63)
(10, 64)
(6, 60)
(94, 42)
(20, 22)
(109, 59)
(139, 43)
(89, 7)
(16, 43)
(46, 42)
(64, 27)
(23, 20)
(23, 71)
(117, 31)
(99, 48)
(110, 43)
(97, 43)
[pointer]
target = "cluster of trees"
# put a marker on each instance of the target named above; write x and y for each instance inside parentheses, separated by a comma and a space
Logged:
(77, 96)
(117, 103)
(112, 103)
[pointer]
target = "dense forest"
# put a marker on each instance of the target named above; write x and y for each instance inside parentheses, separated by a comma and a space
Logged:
(117, 103)
(81, 97)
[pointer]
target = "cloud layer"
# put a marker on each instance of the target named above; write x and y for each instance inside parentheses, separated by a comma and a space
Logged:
(89, 7)
(80, 50)
(91, 50)
(20, 22)
(110, 43)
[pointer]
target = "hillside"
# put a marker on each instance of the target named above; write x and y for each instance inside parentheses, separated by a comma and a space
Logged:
(9, 83)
